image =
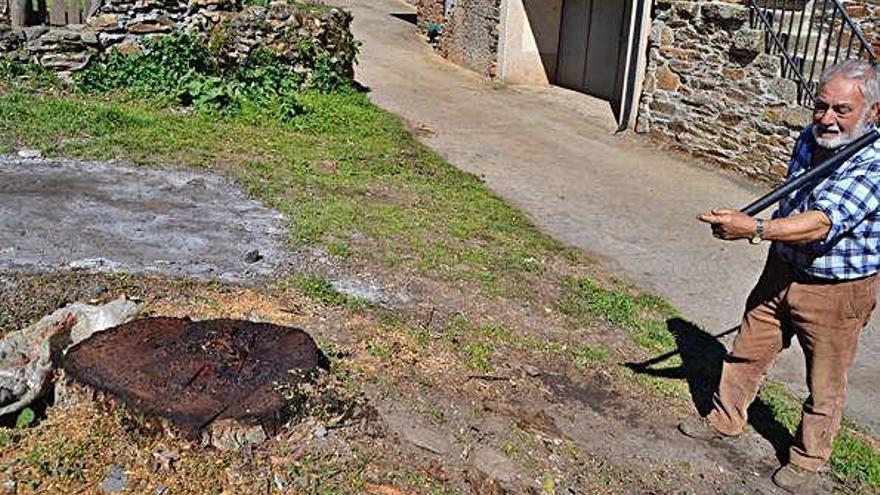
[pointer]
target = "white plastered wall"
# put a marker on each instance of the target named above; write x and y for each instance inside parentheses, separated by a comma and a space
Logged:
(529, 41)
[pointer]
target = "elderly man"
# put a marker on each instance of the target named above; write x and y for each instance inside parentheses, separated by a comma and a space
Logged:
(819, 280)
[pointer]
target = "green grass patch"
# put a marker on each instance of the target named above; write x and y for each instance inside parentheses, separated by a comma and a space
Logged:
(643, 315)
(855, 460)
(585, 356)
(322, 289)
(341, 170)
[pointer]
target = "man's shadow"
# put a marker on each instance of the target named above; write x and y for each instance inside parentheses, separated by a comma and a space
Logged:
(702, 355)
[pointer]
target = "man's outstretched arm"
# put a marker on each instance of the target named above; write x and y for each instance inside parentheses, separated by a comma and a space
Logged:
(730, 224)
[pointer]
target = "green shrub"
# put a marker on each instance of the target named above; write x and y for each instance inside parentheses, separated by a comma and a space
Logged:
(180, 69)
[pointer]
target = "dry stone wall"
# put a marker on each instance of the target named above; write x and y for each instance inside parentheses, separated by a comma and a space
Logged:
(123, 25)
(711, 89)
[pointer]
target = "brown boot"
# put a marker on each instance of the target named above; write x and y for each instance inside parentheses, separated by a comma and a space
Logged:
(793, 478)
(701, 430)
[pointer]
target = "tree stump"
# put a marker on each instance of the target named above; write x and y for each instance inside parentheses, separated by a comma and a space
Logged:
(217, 379)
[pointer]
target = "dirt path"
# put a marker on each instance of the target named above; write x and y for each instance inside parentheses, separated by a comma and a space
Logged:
(553, 153)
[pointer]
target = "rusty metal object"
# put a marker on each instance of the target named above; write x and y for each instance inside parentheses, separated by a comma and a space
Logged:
(195, 373)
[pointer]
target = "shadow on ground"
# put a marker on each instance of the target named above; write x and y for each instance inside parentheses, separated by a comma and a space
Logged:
(702, 355)
(407, 17)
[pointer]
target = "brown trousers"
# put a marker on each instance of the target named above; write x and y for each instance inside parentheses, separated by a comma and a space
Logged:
(827, 319)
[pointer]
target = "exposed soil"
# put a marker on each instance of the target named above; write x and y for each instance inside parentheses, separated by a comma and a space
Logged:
(404, 409)
(412, 418)
(110, 217)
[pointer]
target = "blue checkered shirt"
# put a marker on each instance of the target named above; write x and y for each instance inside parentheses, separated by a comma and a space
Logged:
(850, 197)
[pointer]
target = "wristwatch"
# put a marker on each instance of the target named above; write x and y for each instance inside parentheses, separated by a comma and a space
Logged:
(758, 236)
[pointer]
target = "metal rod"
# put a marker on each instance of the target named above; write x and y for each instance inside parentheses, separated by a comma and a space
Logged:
(781, 10)
(828, 41)
(797, 42)
(818, 40)
(840, 36)
(849, 47)
(787, 57)
(790, 28)
(812, 176)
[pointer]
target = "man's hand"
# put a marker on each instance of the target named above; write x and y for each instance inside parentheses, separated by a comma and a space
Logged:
(729, 224)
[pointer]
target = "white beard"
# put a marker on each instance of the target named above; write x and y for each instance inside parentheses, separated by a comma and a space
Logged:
(842, 138)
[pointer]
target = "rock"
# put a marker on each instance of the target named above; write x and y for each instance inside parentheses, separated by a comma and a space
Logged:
(114, 482)
(65, 61)
(105, 22)
(231, 435)
(785, 89)
(143, 25)
(34, 32)
(253, 256)
(107, 39)
(30, 154)
(793, 117)
(128, 48)
(165, 459)
(10, 487)
(424, 438)
(494, 464)
(728, 16)
(746, 45)
(320, 432)
(666, 79)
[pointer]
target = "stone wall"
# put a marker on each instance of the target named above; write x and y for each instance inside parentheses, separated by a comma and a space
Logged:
(712, 91)
(429, 12)
(470, 33)
(123, 25)
(867, 14)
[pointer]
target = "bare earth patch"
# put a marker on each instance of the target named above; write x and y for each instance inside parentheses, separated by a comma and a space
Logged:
(110, 217)
(409, 412)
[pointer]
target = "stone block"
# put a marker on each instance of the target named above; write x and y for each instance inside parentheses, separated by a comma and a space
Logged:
(685, 10)
(107, 39)
(793, 117)
(733, 74)
(725, 15)
(746, 44)
(66, 62)
(784, 89)
(666, 79)
(146, 26)
(676, 53)
(128, 48)
(664, 107)
(105, 22)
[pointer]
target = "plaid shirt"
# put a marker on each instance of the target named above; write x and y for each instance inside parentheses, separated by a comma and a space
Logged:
(850, 197)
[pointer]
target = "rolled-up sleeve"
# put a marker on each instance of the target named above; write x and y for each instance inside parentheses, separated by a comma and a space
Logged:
(846, 203)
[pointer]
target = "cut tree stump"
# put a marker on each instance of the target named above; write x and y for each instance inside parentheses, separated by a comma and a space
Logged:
(200, 376)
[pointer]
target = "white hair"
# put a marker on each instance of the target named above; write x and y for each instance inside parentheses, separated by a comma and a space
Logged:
(855, 69)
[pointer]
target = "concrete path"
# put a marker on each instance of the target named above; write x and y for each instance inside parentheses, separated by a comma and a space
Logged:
(554, 154)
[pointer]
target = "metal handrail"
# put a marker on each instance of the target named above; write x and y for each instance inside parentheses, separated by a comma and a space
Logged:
(802, 44)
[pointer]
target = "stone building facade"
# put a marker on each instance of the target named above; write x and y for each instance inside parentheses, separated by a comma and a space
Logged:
(705, 81)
